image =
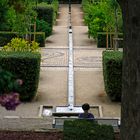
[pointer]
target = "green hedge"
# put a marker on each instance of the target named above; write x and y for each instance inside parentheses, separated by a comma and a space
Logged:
(87, 130)
(101, 40)
(26, 66)
(45, 13)
(43, 26)
(40, 38)
(55, 4)
(112, 71)
(6, 37)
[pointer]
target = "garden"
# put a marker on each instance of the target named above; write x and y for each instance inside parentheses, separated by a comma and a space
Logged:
(25, 24)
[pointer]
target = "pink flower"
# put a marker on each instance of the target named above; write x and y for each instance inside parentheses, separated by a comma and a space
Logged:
(10, 101)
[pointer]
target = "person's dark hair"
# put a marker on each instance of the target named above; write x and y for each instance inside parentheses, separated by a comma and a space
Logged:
(85, 106)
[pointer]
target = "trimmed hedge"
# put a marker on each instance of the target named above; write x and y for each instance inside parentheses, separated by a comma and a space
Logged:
(5, 37)
(26, 66)
(45, 18)
(112, 71)
(101, 40)
(87, 130)
(43, 26)
(55, 4)
(40, 38)
(45, 13)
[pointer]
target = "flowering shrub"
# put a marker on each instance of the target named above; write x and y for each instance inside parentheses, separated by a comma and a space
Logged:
(10, 101)
(9, 85)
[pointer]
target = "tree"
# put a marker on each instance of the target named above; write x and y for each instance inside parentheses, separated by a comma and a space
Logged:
(21, 16)
(115, 7)
(130, 112)
(3, 12)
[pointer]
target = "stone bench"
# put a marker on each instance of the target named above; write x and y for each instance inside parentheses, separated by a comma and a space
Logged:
(58, 122)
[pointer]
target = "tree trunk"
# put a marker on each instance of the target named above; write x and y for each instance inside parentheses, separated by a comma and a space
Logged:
(130, 112)
(116, 45)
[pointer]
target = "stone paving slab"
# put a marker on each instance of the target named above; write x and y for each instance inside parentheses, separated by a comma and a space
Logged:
(89, 87)
(77, 15)
(88, 58)
(53, 87)
(58, 38)
(62, 19)
(26, 123)
(82, 58)
(54, 57)
(80, 37)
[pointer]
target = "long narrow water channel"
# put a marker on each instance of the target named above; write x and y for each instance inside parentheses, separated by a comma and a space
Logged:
(70, 61)
(69, 108)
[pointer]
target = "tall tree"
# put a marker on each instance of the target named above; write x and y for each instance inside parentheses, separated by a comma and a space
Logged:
(130, 113)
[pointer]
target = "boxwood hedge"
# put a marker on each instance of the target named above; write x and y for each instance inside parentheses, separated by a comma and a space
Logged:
(26, 66)
(81, 129)
(45, 13)
(112, 71)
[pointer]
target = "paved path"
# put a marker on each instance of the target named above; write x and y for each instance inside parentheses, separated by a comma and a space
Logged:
(52, 91)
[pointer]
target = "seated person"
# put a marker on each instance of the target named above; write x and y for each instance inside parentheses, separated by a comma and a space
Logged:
(86, 114)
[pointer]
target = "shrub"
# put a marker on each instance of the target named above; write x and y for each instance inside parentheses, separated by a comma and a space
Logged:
(26, 66)
(51, 4)
(55, 5)
(9, 90)
(40, 38)
(43, 26)
(87, 130)
(6, 37)
(19, 44)
(8, 82)
(101, 40)
(112, 71)
(45, 13)
(94, 17)
(100, 16)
